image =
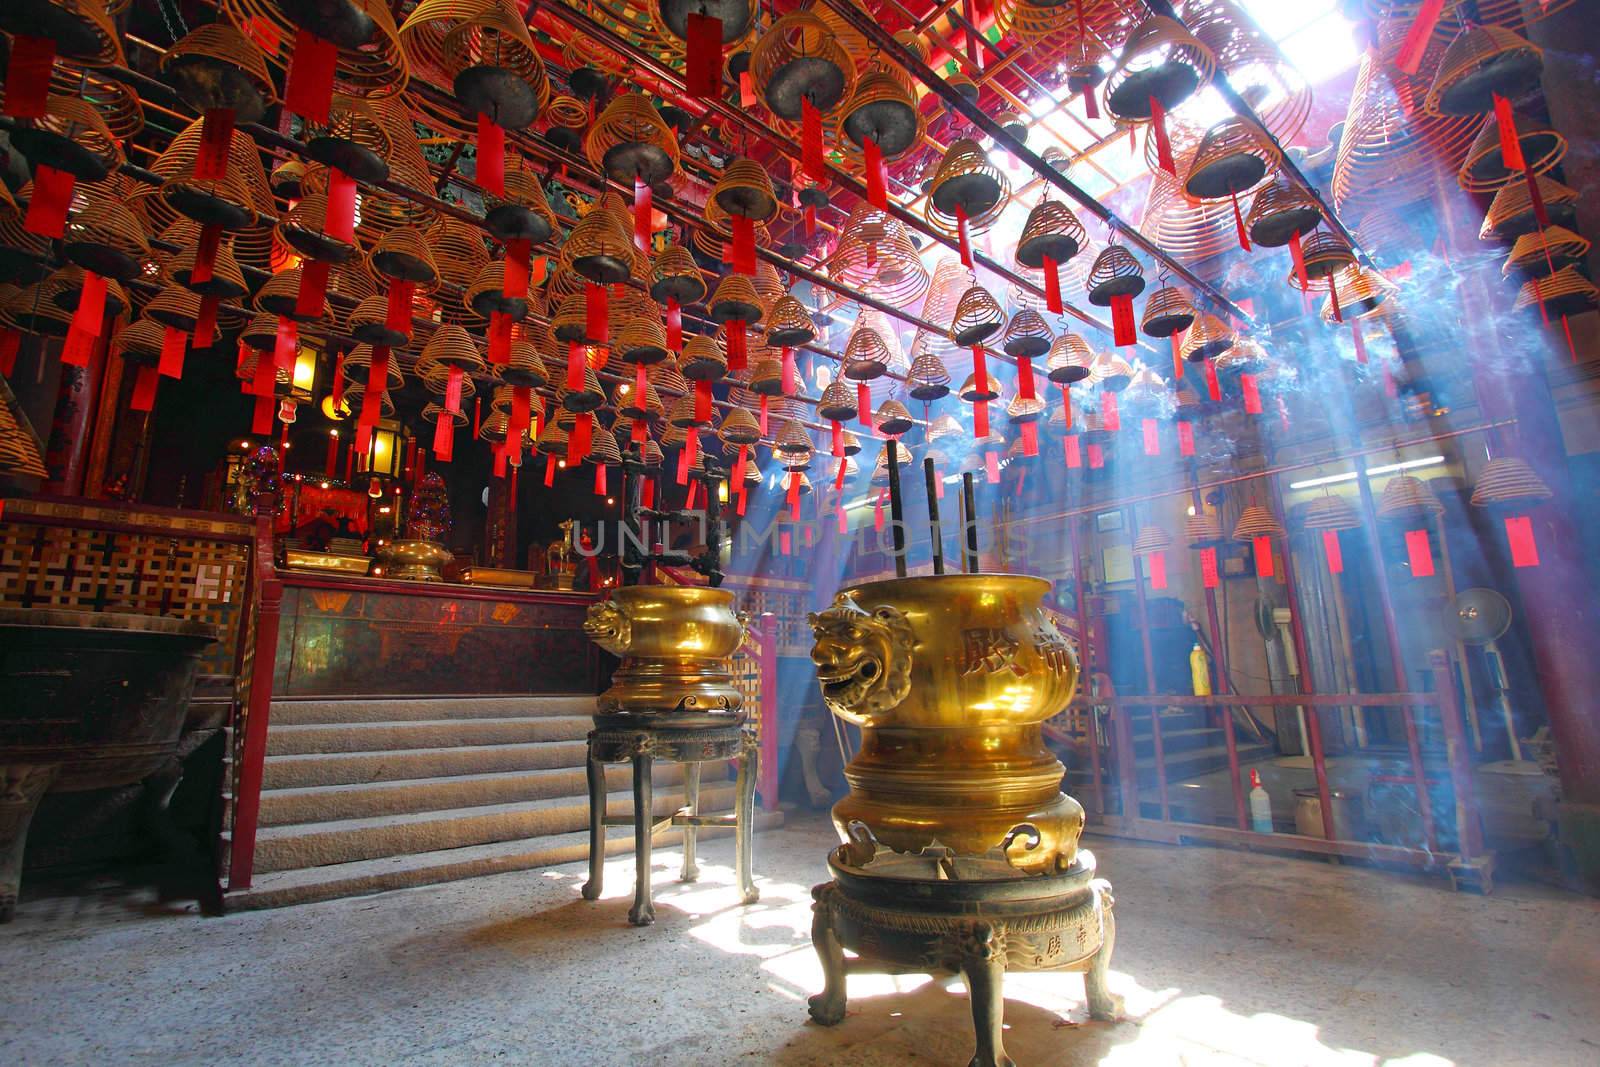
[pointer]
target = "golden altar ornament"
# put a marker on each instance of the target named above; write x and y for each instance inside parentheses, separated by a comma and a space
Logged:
(675, 643)
(413, 560)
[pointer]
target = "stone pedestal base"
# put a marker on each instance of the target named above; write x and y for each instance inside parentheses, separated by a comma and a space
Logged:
(978, 929)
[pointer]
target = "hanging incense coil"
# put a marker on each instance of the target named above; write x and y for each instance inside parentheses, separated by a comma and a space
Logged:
(892, 418)
(600, 247)
(739, 427)
(368, 322)
(1361, 293)
(647, 407)
(838, 402)
(1511, 212)
(967, 182)
(1152, 538)
(944, 426)
(216, 66)
(587, 398)
(1051, 231)
(232, 202)
(671, 17)
(1484, 169)
(226, 281)
(1330, 512)
(735, 300)
(603, 451)
(302, 229)
(630, 142)
(682, 415)
(1188, 229)
(766, 378)
(1111, 370)
(1508, 480)
(789, 324)
(552, 440)
(358, 368)
(1208, 338)
(880, 470)
(799, 58)
(486, 295)
(523, 366)
(642, 339)
(1025, 409)
(70, 136)
(1202, 529)
(1145, 387)
(1115, 273)
(353, 139)
(883, 109)
(1234, 156)
(877, 254)
(866, 355)
(1324, 255)
(928, 379)
(1280, 211)
(1566, 292)
(745, 190)
(1253, 64)
(792, 442)
(109, 240)
(992, 389)
(703, 360)
(260, 332)
(483, 50)
(1167, 311)
(1160, 59)
(1484, 61)
(977, 316)
(1255, 521)
(451, 346)
(84, 31)
(677, 277)
(281, 296)
(1070, 360)
(64, 288)
(459, 251)
(1406, 496)
(1027, 335)
(1544, 252)
(522, 213)
(1244, 355)
(370, 60)
(668, 379)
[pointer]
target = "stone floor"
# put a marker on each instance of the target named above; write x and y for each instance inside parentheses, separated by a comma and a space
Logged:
(1222, 957)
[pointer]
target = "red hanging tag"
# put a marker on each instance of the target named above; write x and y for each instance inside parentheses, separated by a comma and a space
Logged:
(1072, 450)
(91, 311)
(144, 391)
(1052, 286)
(599, 479)
(811, 141)
(28, 76)
(1213, 386)
(1110, 416)
(312, 297)
(1333, 298)
(980, 369)
(838, 474)
(377, 386)
(1263, 554)
(517, 269)
(1158, 570)
(991, 467)
(744, 244)
(578, 444)
(1298, 255)
(336, 392)
(1238, 223)
(788, 371)
(1030, 439)
(1025, 385)
(339, 220)
(1185, 438)
(205, 323)
(702, 56)
(702, 402)
(740, 459)
(596, 313)
(52, 197)
(980, 419)
(575, 365)
(499, 338)
(738, 347)
(877, 183)
(1177, 356)
(811, 220)
(864, 405)
(1419, 553)
(747, 89)
(843, 519)
(647, 493)
(444, 433)
(491, 173)
(1519, 534)
(1152, 438)
(1510, 144)
(397, 316)
(1536, 198)
(173, 344)
(1252, 394)
(683, 464)
(452, 390)
(1158, 130)
(216, 137)
(260, 416)
(1123, 330)
(1415, 42)
(962, 240)
(1208, 568)
(1332, 549)
(308, 87)
(674, 326)
(10, 345)
(549, 470)
(77, 348)
(838, 438)
(877, 513)
(500, 461)
(643, 204)
(1360, 341)
(762, 417)
(794, 494)
(1066, 406)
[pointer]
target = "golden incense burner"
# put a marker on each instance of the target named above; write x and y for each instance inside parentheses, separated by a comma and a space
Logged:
(950, 678)
(415, 561)
(675, 643)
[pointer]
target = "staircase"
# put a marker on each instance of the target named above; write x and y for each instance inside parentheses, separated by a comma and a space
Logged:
(1191, 750)
(365, 795)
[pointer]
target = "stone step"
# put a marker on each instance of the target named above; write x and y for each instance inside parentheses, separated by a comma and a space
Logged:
(280, 848)
(1197, 761)
(404, 709)
(360, 877)
(348, 768)
(424, 733)
(365, 800)
(1179, 740)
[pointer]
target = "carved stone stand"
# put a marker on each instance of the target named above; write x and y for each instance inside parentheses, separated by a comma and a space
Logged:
(691, 747)
(978, 929)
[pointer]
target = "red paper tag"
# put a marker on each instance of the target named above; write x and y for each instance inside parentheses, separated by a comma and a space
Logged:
(499, 338)
(1415, 42)
(52, 197)
(1158, 570)
(1185, 438)
(597, 313)
(1252, 395)
(339, 220)
(397, 316)
(264, 32)
(811, 141)
(877, 183)
(1158, 130)
(1109, 415)
(205, 324)
(216, 136)
(1213, 386)
(491, 156)
(1097, 457)
(702, 56)
(980, 419)
(308, 87)
(144, 389)
(1263, 552)
(864, 405)
(28, 76)
(77, 348)
(747, 89)
(1419, 553)
(1074, 453)
(991, 466)
(173, 344)
(10, 344)
(1124, 331)
(286, 345)
(1208, 568)
(1030, 439)
(205, 256)
(1152, 438)
(312, 297)
(1519, 534)
(91, 310)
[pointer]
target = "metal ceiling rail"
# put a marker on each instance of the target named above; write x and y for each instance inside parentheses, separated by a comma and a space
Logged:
(580, 22)
(876, 34)
(1242, 108)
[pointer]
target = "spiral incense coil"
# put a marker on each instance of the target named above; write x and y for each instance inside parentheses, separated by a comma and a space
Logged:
(1566, 292)
(1406, 496)
(880, 469)
(1508, 480)
(642, 339)
(789, 324)
(669, 380)
(406, 254)
(281, 296)
(866, 355)
(552, 440)
(1256, 521)
(1546, 251)
(1330, 512)
(649, 407)
(1051, 231)
(677, 277)
(367, 323)
(970, 392)
(1025, 409)
(1233, 157)
(568, 119)
(352, 282)
(838, 402)
(1482, 62)
(232, 202)
(928, 379)
(179, 308)
(681, 415)
(739, 427)
(302, 229)
(966, 181)
(523, 367)
(800, 58)
(451, 346)
(70, 136)
(1191, 230)
(522, 213)
(1208, 338)
(1484, 169)
(883, 109)
(1027, 335)
(260, 332)
(106, 238)
(977, 316)
(1279, 211)
(949, 282)
(83, 30)
(1511, 211)
(892, 419)
(486, 295)
(64, 288)
(944, 426)
(482, 49)
(600, 247)
(1202, 528)
(745, 190)
(358, 368)
(1253, 64)
(793, 443)
(703, 360)
(876, 254)
(588, 398)
(353, 139)
(226, 281)
(1160, 59)
(670, 18)
(603, 451)
(118, 104)
(34, 310)
(631, 142)
(1361, 293)
(1167, 311)
(143, 338)
(382, 211)
(1324, 254)
(1245, 354)
(370, 61)
(1115, 273)
(1113, 372)
(735, 300)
